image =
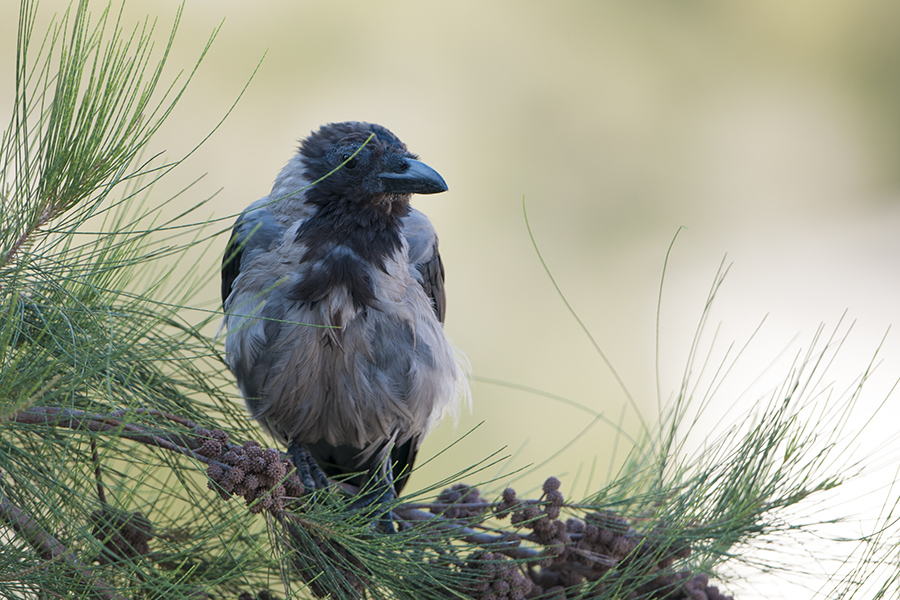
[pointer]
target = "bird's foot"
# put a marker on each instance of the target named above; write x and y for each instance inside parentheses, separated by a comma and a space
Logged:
(381, 486)
(382, 495)
(311, 476)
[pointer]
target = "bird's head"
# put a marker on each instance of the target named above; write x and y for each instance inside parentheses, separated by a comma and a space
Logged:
(367, 164)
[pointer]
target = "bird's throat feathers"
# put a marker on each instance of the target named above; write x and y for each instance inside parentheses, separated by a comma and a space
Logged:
(370, 230)
(344, 242)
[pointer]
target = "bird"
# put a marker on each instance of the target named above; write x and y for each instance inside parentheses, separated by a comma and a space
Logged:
(334, 302)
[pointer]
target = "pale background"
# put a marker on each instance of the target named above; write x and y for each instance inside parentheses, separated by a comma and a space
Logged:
(769, 129)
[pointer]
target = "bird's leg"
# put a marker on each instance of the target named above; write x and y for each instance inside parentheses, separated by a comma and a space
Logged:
(311, 476)
(383, 493)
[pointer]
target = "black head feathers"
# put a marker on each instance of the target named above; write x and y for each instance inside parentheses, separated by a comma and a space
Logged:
(364, 163)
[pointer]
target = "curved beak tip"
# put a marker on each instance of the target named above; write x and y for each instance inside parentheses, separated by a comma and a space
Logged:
(418, 178)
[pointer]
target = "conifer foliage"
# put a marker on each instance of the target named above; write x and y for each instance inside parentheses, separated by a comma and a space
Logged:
(127, 469)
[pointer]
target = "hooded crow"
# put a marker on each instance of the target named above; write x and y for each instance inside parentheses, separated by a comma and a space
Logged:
(334, 301)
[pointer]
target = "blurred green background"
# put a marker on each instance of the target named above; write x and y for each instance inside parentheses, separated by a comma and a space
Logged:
(769, 129)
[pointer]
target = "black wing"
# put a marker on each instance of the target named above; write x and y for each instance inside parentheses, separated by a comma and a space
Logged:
(231, 264)
(432, 281)
(255, 230)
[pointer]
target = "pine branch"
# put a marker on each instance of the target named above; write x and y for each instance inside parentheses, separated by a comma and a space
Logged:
(51, 549)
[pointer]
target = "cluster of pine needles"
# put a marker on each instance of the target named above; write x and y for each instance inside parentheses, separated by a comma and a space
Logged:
(127, 468)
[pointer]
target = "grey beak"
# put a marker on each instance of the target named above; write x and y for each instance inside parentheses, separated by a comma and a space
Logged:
(417, 178)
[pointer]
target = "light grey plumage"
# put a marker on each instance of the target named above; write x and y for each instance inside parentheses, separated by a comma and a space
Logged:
(334, 302)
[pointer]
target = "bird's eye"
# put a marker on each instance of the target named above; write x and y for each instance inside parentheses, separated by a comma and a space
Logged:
(348, 164)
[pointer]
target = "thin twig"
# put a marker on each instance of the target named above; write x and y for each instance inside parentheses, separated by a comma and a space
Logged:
(116, 414)
(78, 419)
(98, 472)
(46, 215)
(503, 543)
(49, 548)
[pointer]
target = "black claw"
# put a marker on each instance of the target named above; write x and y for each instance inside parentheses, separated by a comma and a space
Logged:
(377, 497)
(380, 479)
(385, 519)
(386, 523)
(319, 477)
(311, 476)
(383, 493)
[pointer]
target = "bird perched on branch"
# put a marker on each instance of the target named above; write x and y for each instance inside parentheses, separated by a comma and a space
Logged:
(333, 290)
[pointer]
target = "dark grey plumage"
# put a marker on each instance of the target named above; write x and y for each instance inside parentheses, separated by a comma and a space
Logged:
(334, 303)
